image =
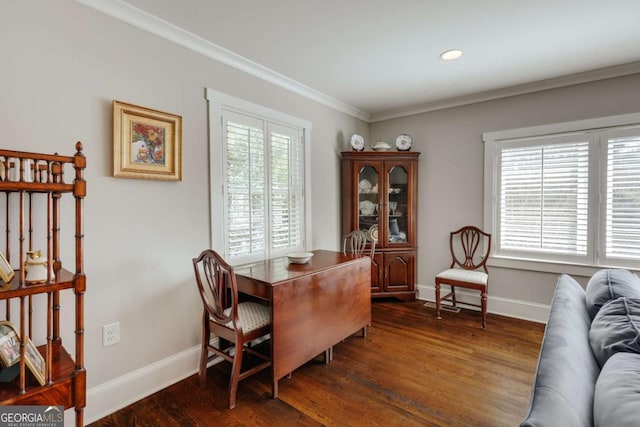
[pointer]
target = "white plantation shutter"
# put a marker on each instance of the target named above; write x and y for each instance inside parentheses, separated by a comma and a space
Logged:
(286, 187)
(623, 196)
(264, 183)
(544, 198)
(245, 185)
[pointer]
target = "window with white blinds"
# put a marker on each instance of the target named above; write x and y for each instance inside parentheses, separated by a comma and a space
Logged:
(561, 194)
(259, 169)
(264, 186)
(623, 197)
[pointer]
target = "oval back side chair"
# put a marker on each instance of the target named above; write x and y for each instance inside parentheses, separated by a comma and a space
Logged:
(234, 324)
(356, 243)
(470, 249)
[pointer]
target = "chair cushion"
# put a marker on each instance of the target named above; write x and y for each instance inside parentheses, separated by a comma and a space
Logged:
(459, 274)
(609, 284)
(251, 316)
(616, 399)
(616, 328)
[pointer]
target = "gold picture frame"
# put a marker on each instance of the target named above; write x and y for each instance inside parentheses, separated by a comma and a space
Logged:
(10, 352)
(6, 272)
(9, 344)
(147, 144)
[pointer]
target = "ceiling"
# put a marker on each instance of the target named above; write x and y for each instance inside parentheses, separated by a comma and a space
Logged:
(380, 58)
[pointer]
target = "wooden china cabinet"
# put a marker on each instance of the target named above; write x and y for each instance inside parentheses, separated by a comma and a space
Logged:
(380, 196)
(43, 210)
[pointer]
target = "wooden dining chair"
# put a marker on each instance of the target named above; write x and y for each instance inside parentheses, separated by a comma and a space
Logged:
(235, 324)
(470, 249)
(356, 242)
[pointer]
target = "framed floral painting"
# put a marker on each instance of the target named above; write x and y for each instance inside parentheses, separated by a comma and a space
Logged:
(147, 144)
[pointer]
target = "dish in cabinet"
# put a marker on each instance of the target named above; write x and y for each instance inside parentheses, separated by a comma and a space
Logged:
(373, 232)
(364, 186)
(367, 207)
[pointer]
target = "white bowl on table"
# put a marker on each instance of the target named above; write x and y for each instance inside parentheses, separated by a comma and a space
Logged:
(299, 257)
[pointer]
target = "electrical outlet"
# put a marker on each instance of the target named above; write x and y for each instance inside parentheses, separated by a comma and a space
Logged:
(110, 334)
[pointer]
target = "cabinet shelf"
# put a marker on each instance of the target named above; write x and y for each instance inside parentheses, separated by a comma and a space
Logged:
(35, 186)
(14, 288)
(62, 376)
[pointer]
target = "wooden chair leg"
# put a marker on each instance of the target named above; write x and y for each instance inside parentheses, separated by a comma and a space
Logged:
(438, 300)
(202, 372)
(483, 298)
(204, 356)
(235, 375)
(453, 295)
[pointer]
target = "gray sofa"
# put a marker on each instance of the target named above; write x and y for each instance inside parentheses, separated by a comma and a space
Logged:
(588, 371)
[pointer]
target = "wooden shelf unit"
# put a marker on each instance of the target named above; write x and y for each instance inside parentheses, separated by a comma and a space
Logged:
(34, 185)
(387, 180)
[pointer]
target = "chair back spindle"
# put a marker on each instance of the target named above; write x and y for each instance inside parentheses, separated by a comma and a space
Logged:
(356, 243)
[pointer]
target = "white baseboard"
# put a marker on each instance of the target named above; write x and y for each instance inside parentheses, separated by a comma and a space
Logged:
(503, 306)
(115, 394)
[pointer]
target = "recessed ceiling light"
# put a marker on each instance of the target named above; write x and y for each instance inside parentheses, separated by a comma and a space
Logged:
(450, 55)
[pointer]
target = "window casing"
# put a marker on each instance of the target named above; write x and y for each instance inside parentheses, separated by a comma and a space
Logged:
(259, 170)
(565, 194)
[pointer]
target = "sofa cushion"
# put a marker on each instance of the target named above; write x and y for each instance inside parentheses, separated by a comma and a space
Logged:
(565, 379)
(616, 400)
(609, 284)
(616, 328)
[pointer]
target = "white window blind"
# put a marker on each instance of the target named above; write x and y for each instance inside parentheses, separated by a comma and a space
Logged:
(567, 193)
(245, 179)
(623, 198)
(286, 188)
(544, 198)
(264, 187)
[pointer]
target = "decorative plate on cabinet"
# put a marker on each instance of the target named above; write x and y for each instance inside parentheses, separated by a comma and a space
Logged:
(357, 142)
(403, 142)
(373, 232)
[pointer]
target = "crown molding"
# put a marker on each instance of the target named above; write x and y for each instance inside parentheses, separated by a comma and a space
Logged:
(573, 79)
(145, 21)
(125, 12)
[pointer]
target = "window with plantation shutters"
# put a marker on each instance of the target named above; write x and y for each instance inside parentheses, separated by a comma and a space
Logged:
(566, 193)
(259, 208)
(622, 215)
(264, 187)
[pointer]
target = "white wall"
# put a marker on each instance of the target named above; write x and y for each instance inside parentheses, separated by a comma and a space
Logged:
(451, 175)
(62, 64)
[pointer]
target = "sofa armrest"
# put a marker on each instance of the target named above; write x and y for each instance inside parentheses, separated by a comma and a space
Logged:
(562, 393)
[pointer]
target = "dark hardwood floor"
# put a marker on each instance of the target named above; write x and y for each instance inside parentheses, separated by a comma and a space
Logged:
(410, 370)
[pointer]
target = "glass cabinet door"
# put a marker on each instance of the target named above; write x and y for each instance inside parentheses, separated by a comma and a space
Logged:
(368, 199)
(397, 205)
